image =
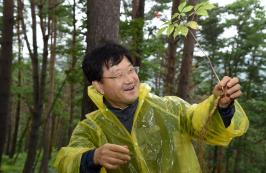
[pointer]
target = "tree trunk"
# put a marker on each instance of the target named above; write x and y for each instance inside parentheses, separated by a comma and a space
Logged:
(138, 23)
(72, 66)
(9, 128)
(218, 160)
(184, 79)
(18, 105)
(38, 84)
(103, 24)
(5, 68)
(237, 160)
(169, 82)
(214, 159)
(36, 117)
(227, 162)
(48, 115)
(37, 108)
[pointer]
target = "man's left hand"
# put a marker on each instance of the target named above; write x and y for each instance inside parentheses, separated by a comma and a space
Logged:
(228, 89)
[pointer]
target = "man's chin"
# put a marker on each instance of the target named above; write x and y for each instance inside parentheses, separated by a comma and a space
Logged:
(131, 97)
(131, 100)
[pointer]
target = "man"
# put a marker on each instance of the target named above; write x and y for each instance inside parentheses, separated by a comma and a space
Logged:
(135, 131)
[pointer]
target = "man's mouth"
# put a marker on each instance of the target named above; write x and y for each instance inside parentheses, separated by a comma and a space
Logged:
(129, 88)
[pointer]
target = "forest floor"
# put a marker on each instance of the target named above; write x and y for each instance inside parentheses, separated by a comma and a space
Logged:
(15, 165)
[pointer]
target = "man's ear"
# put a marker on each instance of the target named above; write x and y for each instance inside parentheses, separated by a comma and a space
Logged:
(98, 86)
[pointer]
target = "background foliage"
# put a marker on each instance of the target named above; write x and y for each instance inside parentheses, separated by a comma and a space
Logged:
(233, 36)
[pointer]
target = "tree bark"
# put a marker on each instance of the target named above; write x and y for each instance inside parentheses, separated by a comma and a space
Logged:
(138, 23)
(38, 84)
(37, 107)
(103, 24)
(237, 160)
(72, 66)
(218, 160)
(184, 78)
(9, 129)
(48, 115)
(18, 105)
(169, 82)
(5, 68)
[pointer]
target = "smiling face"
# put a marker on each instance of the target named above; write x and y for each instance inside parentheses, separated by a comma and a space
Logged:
(119, 84)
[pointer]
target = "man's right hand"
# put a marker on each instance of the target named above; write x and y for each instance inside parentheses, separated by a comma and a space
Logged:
(111, 156)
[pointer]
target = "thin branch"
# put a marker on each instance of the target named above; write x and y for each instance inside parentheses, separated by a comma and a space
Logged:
(207, 57)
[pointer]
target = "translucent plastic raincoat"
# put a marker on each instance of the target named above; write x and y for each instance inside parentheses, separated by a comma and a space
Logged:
(162, 131)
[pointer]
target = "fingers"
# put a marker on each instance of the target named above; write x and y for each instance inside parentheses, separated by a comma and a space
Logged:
(227, 86)
(232, 82)
(110, 166)
(221, 86)
(228, 89)
(236, 94)
(224, 102)
(111, 156)
(228, 82)
(233, 88)
(119, 148)
(234, 91)
(224, 81)
(118, 155)
(115, 161)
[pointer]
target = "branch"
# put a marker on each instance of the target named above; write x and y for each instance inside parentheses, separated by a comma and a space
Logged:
(20, 12)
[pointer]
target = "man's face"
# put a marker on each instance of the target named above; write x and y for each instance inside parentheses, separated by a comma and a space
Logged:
(120, 84)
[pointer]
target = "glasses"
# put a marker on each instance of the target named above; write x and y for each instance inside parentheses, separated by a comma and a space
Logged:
(119, 75)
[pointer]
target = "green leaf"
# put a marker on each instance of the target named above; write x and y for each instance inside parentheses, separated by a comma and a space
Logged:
(187, 9)
(176, 33)
(193, 25)
(204, 6)
(209, 6)
(167, 23)
(161, 31)
(170, 29)
(175, 15)
(183, 14)
(181, 6)
(202, 12)
(197, 6)
(183, 30)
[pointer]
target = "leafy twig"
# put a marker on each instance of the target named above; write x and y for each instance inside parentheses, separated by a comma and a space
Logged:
(178, 26)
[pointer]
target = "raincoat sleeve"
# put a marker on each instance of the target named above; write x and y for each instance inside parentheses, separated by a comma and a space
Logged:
(204, 121)
(84, 137)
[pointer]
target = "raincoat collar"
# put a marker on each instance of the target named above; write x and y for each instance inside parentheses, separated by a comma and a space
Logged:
(97, 97)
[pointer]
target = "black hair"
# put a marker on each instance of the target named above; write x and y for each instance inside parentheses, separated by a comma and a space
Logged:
(109, 54)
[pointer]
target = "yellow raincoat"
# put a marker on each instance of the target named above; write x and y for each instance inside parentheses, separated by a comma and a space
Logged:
(160, 140)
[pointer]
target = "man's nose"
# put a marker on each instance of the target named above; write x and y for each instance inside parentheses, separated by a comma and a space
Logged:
(128, 78)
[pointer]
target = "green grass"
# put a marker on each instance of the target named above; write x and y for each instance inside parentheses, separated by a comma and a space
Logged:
(16, 166)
